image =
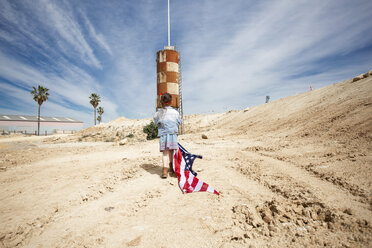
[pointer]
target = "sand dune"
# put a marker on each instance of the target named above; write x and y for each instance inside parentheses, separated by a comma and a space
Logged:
(295, 172)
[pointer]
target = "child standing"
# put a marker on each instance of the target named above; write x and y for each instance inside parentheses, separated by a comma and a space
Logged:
(167, 119)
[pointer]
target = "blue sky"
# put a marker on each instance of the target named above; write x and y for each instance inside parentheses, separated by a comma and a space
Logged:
(233, 53)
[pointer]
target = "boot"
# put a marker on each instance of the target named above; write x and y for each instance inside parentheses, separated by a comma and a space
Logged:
(164, 174)
(171, 168)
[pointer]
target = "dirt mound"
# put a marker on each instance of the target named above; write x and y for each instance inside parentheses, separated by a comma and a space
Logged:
(119, 120)
(343, 109)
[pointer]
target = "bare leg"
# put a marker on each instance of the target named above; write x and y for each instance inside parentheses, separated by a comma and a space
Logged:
(171, 160)
(166, 156)
(165, 164)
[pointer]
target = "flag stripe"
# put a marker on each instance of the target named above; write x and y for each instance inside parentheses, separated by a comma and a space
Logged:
(199, 185)
(204, 187)
(194, 182)
(191, 180)
(210, 189)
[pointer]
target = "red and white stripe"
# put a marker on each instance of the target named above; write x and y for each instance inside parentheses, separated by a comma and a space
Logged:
(186, 180)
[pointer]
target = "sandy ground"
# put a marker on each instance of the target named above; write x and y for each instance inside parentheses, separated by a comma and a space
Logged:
(292, 173)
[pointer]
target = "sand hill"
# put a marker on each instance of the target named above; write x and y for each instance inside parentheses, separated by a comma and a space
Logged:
(295, 172)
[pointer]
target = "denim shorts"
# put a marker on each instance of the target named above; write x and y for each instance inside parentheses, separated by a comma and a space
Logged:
(168, 142)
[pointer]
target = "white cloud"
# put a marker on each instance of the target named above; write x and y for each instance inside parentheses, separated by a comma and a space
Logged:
(99, 38)
(62, 22)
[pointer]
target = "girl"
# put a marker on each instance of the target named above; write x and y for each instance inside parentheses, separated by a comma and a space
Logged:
(167, 119)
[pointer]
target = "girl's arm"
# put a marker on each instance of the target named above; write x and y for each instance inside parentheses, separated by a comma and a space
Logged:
(156, 118)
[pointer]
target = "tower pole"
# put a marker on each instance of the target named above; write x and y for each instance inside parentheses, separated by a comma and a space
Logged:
(168, 25)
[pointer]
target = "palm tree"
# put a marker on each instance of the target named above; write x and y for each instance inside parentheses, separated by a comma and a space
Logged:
(40, 95)
(100, 111)
(94, 100)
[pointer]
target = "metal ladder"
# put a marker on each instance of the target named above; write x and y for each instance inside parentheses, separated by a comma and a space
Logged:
(180, 90)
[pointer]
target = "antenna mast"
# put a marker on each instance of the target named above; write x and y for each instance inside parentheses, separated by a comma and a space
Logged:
(168, 25)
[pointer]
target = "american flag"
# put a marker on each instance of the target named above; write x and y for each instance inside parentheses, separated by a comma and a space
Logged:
(187, 180)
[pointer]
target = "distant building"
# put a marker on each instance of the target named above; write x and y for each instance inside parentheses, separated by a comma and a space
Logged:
(28, 124)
